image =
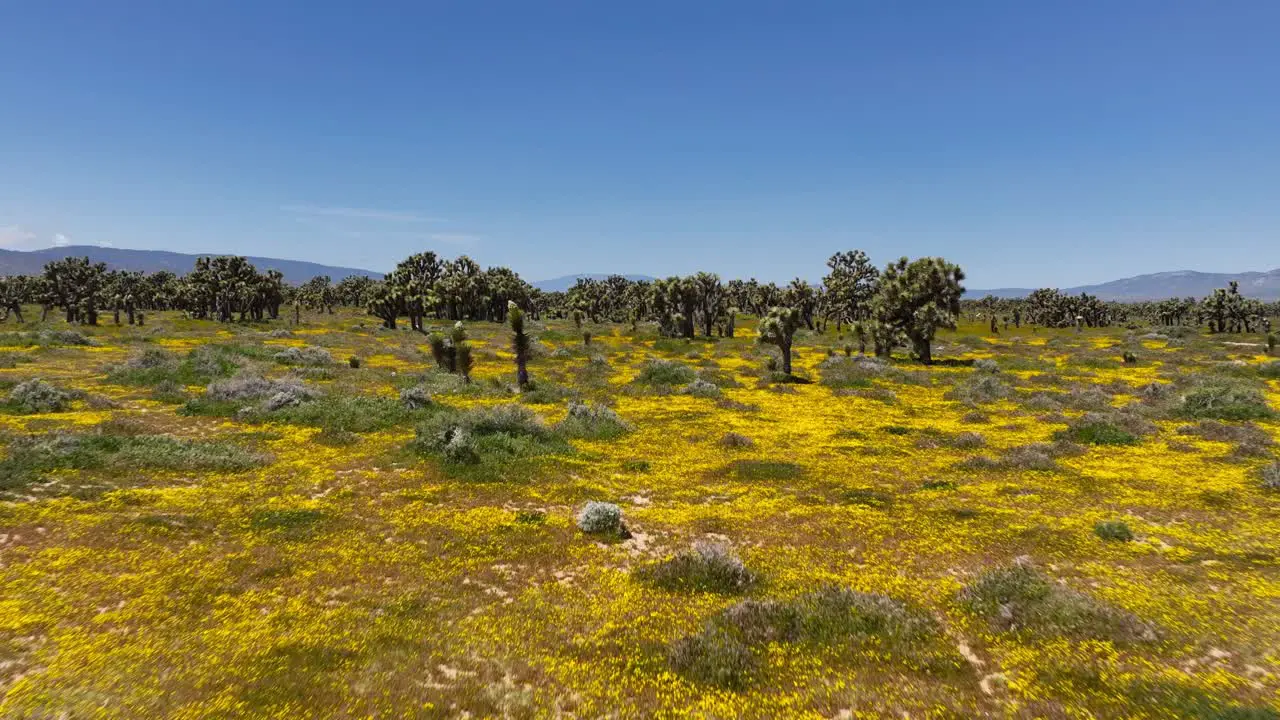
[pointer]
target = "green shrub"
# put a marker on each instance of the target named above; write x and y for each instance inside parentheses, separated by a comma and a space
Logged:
(1020, 599)
(31, 456)
(545, 393)
(304, 356)
(851, 372)
(11, 360)
(986, 365)
(1225, 399)
(706, 567)
(701, 388)
(591, 421)
(600, 518)
(713, 657)
(44, 338)
(38, 396)
(980, 388)
(1115, 530)
(724, 653)
(1096, 432)
(154, 366)
(415, 398)
(352, 413)
(247, 386)
(665, 372)
(490, 436)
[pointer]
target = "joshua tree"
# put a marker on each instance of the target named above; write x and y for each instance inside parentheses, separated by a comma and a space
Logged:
(730, 318)
(916, 298)
(586, 338)
(520, 343)
(850, 284)
(779, 328)
(577, 318)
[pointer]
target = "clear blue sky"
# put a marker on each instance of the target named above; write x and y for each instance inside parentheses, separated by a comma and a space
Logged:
(1034, 142)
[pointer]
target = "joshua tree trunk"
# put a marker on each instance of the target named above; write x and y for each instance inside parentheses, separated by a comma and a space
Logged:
(924, 350)
(786, 358)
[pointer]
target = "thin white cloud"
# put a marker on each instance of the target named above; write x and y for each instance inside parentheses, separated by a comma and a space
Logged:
(360, 213)
(105, 244)
(15, 237)
(60, 240)
(455, 238)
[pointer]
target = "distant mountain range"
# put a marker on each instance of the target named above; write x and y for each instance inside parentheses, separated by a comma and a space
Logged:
(31, 262)
(565, 282)
(1157, 286)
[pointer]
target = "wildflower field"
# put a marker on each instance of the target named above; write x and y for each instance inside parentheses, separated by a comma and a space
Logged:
(204, 520)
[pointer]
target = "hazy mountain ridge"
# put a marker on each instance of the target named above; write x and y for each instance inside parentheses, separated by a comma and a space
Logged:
(1152, 286)
(1161, 285)
(32, 262)
(564, 282)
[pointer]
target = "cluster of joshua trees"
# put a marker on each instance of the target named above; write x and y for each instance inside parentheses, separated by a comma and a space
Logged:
(900, 305)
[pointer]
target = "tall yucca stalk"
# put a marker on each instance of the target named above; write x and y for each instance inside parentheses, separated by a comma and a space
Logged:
(520, 343)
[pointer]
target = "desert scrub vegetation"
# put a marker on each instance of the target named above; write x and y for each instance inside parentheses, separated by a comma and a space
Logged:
(44, 338)
(154, 366)
(592, 421)
(857, 626)
(37, 396)
(1224, 398)
(706, 567)
(489, 438)
(1020, 599)
(305, 356)
(32, 457)
(661, 373)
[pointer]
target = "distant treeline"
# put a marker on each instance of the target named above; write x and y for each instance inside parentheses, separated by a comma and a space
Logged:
(899, 304)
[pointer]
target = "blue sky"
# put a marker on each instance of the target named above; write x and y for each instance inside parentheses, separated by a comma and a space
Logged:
(1035, 143)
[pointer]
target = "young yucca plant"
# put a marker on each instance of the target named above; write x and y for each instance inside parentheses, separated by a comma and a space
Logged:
(577, 318)
(440, 351)
(464, 361)
(459, 351)
(520, 343)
